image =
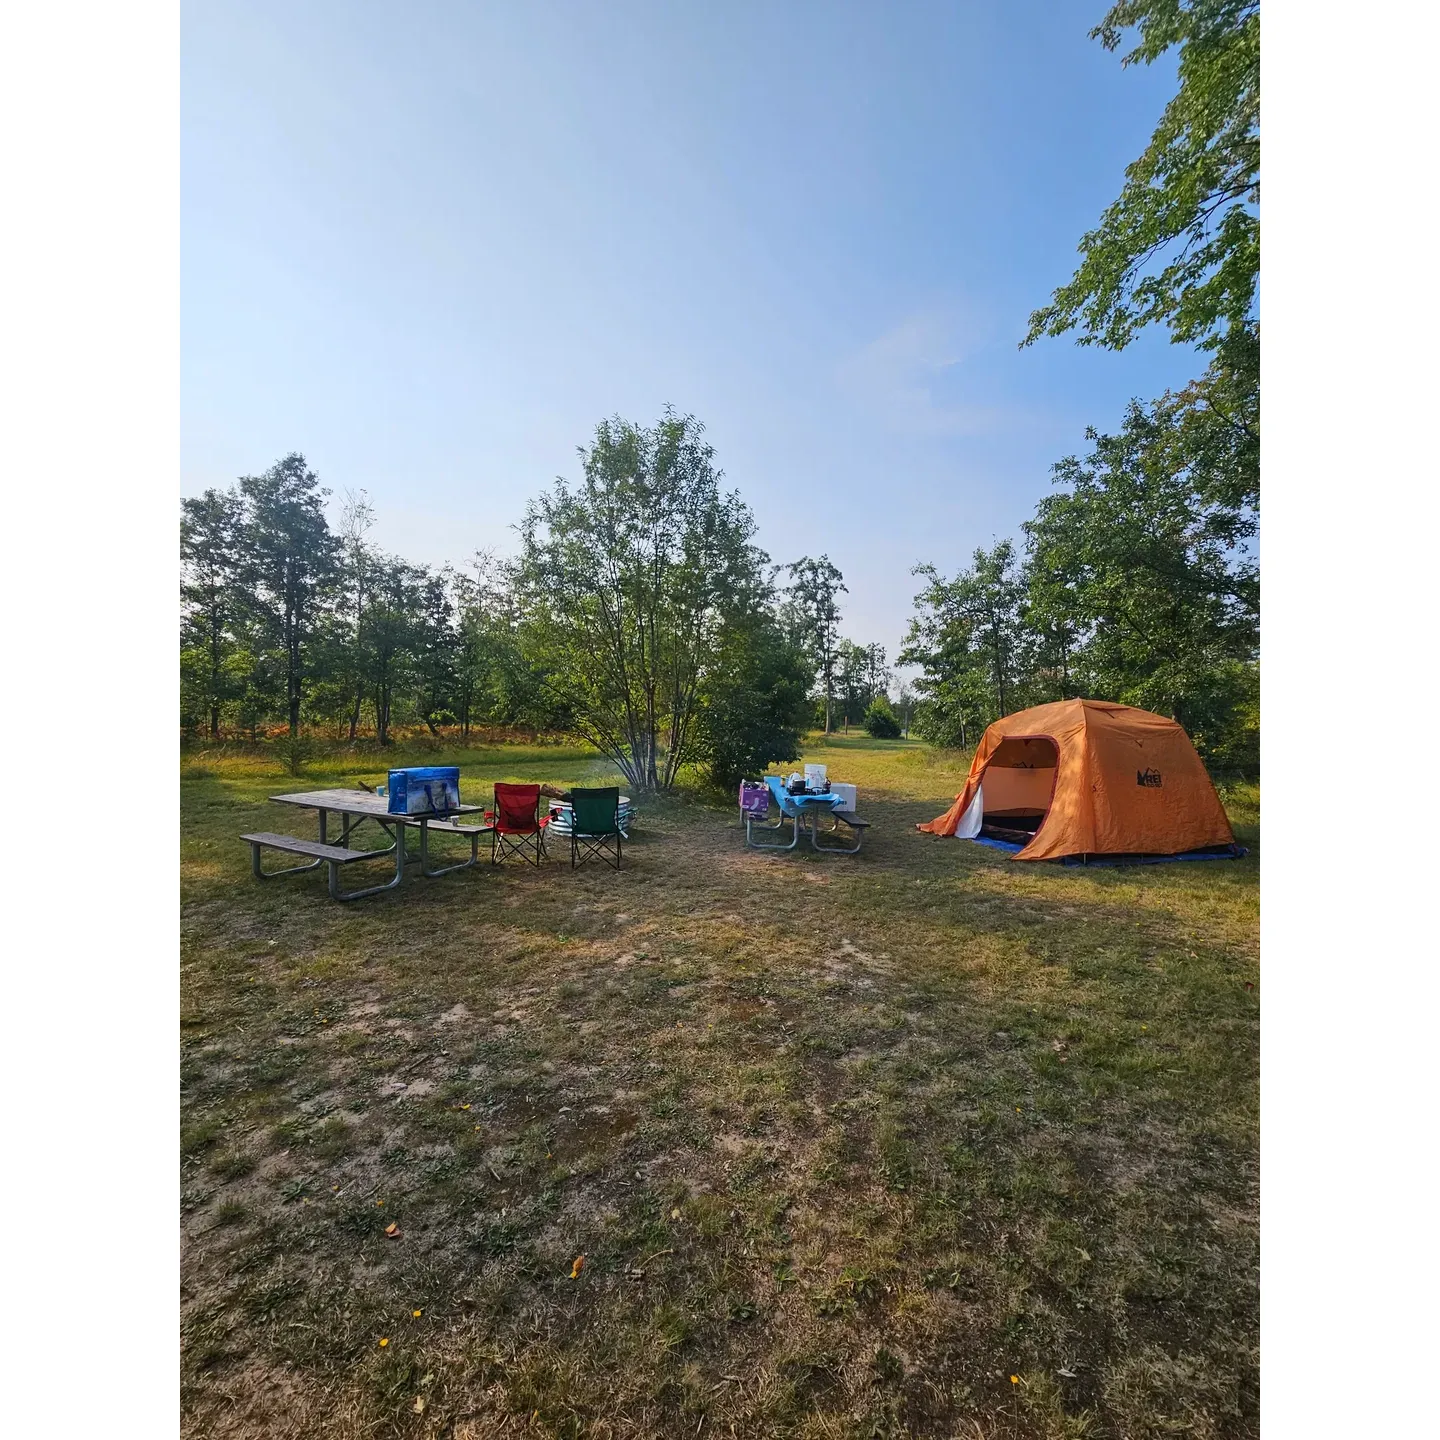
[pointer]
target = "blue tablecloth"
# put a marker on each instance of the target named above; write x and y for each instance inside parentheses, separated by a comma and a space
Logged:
(782, 796)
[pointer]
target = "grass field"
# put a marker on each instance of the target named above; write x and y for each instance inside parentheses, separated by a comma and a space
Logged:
(920, 1142)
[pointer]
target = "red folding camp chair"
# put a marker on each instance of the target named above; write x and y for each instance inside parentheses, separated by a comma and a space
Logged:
(519, 828)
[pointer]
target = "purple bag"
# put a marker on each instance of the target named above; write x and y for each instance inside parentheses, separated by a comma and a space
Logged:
(754, 799)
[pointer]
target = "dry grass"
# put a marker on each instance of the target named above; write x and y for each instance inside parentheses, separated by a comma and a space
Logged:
(846, 1143)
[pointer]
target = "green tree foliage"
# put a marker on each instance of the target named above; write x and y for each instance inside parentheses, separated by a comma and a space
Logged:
(437, 651)
(904, 706)
(626, 581)
(861, 675)
(1139, 584)
(812, 614)
(1145, 557)
(970, 638)
(1141, 579)
(210, 528)
(512, 688)
(880, 721)
(756, 699)
(289, 564)
(1180, 246)
(392, 632)
(357, 560)
(483, 617)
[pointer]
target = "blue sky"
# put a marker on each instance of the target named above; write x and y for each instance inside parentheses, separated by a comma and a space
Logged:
(432, 245)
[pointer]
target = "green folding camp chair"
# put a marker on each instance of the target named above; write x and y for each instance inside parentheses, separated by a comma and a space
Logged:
(595, 825)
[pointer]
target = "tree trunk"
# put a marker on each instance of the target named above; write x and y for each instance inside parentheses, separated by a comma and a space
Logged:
(382, 715)
(214, 676)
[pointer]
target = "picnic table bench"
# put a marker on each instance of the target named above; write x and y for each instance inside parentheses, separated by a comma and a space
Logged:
(356, 807)
(322, 854)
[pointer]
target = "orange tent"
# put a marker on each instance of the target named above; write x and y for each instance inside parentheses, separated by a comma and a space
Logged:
(1085, 777)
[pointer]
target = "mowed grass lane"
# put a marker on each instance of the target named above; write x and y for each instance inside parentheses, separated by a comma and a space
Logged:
(846, 1143)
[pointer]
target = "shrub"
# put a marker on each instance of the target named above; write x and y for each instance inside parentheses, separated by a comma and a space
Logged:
(880, 720)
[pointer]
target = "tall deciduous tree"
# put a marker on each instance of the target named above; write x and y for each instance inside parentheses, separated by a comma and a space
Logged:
(755, 699)
(437, 650)
(971, 641)
(391, 636)
(1181, 244)
(850, 680)
(210, 558)
(862, 676)
(1146, 553)
(814, 591)
(357, 517)
(877, 672)
(289, 563)
(627, 580)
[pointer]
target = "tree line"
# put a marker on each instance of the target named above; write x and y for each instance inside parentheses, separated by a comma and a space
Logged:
(638, 614)
(287, 620)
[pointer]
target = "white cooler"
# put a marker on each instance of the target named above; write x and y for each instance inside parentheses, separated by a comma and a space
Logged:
(846, 794)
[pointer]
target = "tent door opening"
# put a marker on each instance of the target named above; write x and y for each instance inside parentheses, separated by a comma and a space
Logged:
(1018, 785)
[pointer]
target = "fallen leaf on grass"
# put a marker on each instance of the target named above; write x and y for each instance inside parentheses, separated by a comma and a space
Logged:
(393, 1231)
(384, 1341)
(577, 1267)
(419, 1404)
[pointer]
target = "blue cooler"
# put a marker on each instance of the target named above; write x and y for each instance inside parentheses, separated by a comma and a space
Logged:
(423, 790)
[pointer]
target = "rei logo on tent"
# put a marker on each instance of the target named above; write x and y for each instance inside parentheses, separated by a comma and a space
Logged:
(1149, 778)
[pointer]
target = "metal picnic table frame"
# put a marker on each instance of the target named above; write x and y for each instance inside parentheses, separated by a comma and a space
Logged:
(355, 807)
(796, 809)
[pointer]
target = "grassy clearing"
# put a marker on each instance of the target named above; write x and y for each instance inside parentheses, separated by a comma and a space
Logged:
(846, 1143)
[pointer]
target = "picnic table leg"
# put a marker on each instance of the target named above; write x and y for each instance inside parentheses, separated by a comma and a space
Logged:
(425, 867)
(836, 849)
(796, 823)
(395, 828)
(399, 876)
(276, 874)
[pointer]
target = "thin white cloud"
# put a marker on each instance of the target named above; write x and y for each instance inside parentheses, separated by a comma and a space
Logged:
(901, 378)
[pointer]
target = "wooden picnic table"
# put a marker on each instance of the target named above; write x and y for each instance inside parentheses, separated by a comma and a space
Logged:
(355, 808)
